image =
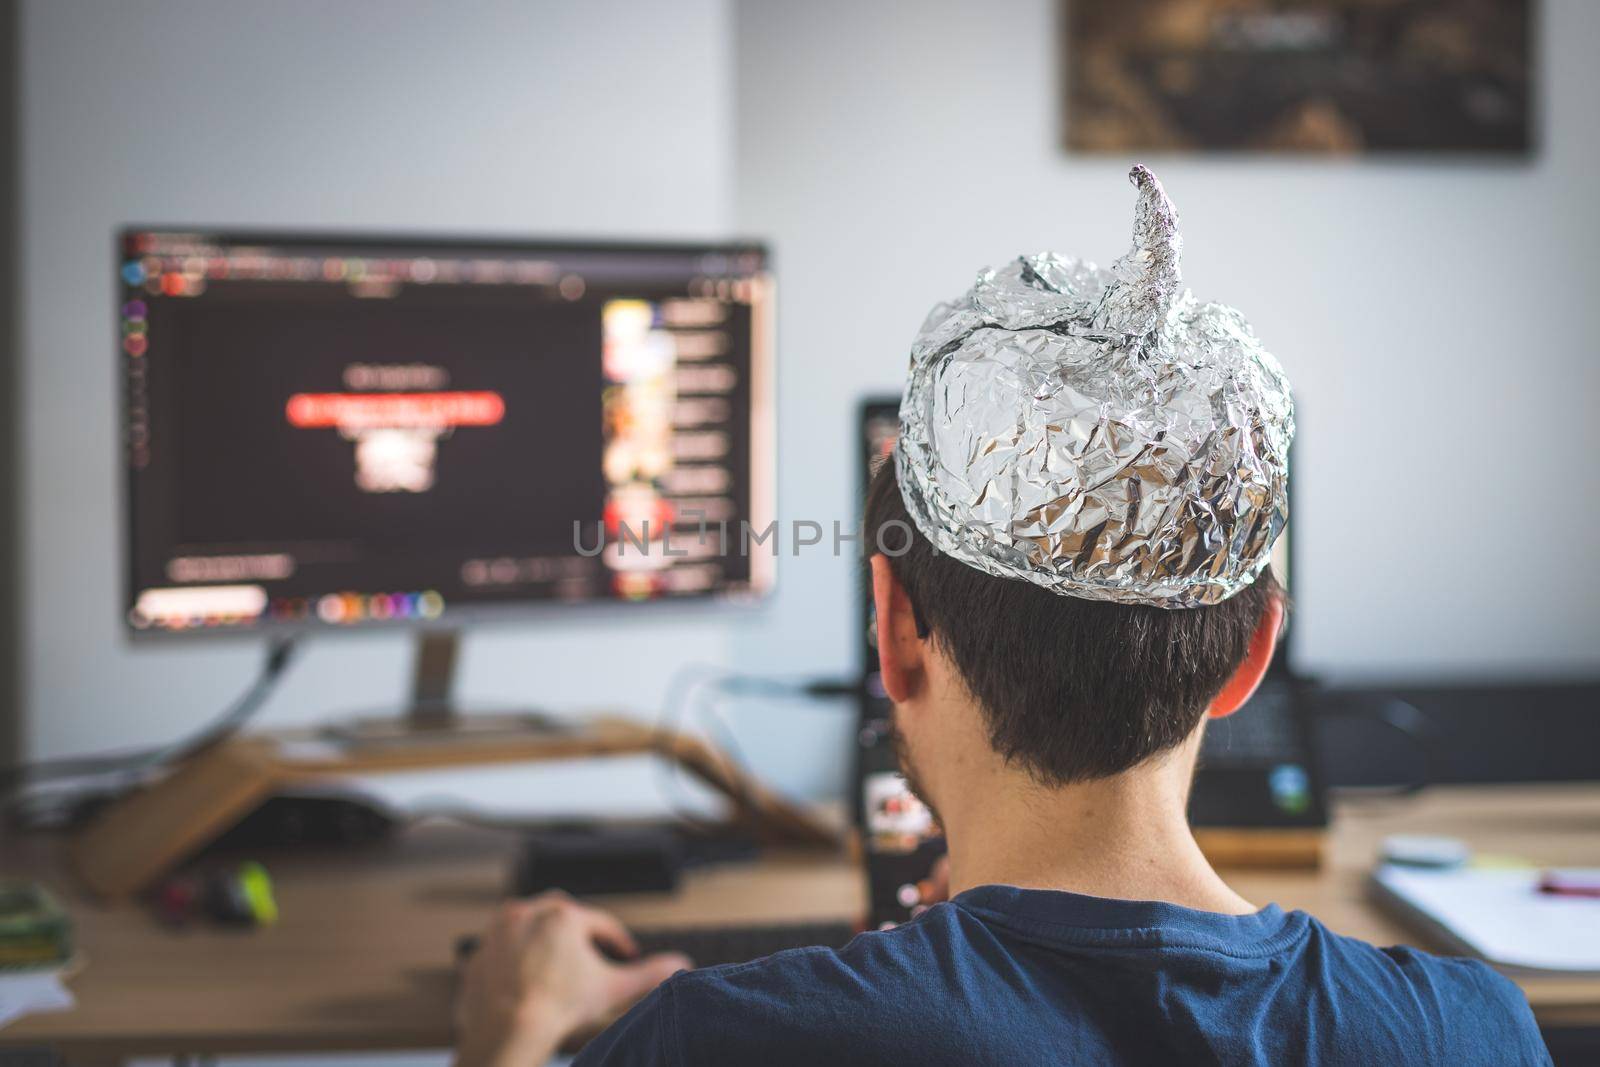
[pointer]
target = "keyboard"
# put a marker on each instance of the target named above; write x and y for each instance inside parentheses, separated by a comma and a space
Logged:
(710, 946)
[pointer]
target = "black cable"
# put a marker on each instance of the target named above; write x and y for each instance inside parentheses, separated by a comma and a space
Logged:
(279, 653)
(142, 761)
(830, 688)
(680, 693)
(694, 694)
(1405, 719)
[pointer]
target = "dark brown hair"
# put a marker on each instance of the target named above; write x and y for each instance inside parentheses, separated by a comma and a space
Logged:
(1072, 689)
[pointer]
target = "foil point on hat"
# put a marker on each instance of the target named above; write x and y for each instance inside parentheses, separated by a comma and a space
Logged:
(1098, 432)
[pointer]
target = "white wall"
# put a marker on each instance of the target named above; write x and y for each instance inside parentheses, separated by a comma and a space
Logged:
(606, 117)
(1435, 317)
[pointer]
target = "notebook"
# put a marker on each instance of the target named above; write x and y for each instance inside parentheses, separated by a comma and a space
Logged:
(32, 992)
(1497, 915)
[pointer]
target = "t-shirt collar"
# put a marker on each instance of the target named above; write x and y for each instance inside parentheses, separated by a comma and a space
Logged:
(1056, 915)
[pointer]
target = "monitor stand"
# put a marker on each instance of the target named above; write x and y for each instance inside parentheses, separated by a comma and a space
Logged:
(144, 834)
(433, 714)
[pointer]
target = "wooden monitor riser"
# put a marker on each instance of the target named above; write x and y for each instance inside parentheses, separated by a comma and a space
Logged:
(141, 837)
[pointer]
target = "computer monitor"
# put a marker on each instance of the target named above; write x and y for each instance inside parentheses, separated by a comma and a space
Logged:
(325, 432)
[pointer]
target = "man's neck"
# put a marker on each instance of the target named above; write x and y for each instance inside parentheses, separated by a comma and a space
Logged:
(1125, 837)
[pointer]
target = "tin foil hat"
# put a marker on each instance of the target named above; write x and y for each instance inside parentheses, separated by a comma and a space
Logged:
(1099, 433)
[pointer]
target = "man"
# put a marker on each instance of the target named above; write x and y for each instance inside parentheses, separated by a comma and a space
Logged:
(1068, 572)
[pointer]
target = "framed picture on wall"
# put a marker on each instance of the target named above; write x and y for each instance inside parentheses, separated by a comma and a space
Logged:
(1314, 76)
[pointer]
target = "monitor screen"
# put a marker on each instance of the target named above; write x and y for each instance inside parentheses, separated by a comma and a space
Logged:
(329, 431)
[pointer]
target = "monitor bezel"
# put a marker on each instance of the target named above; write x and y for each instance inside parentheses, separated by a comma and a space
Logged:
(763, 437)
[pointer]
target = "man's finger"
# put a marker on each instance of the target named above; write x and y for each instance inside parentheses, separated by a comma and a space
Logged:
(515, 916)
(630, 981)
(607, 930)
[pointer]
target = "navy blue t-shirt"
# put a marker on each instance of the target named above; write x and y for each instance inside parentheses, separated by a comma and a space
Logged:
(1014, 976)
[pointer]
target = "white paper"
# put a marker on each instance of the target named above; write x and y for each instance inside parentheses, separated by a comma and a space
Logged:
(31, 993)
(1502, 916)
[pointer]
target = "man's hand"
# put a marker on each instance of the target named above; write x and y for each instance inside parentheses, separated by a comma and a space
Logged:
(935, 889)
(538, 977)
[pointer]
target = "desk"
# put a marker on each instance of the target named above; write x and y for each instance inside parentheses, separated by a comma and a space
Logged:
(361, 957)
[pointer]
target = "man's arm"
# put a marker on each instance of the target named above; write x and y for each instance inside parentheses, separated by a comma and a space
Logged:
(539, 976)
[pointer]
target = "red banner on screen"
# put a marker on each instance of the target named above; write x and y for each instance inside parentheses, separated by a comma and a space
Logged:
(394, 410)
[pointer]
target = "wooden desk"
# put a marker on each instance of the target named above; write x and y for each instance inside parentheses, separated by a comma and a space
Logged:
(361, 958)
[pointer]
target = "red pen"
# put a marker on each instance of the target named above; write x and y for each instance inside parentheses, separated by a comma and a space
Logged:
(1570, 883)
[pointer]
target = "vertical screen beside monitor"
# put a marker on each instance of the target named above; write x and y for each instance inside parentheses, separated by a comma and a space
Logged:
(333, 431)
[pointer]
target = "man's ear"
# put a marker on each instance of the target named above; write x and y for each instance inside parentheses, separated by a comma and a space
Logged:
(1263, 643)
(900, 650)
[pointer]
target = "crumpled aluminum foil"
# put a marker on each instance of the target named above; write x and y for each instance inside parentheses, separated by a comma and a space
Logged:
(1099, 433)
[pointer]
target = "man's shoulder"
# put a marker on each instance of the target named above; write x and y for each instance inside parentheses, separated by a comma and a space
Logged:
(916, 993)
(1414, 967)
(879, 962)
(794, 1006)
(1464, 1002)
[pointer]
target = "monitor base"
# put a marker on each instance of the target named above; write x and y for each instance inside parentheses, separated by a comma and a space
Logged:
(433, 716)
(431, 726)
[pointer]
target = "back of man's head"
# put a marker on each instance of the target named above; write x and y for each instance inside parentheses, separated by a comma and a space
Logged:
(1070, 689)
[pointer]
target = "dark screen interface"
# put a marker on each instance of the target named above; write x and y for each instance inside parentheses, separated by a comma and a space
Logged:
(344, 431)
